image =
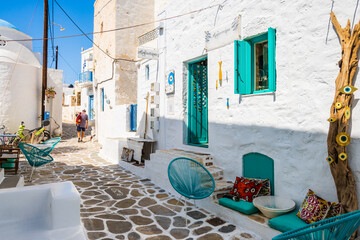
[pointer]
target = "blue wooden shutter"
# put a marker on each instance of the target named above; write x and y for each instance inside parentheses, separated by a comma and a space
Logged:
(102, 99)
(271, 56)
(243, 83)
(133, 117)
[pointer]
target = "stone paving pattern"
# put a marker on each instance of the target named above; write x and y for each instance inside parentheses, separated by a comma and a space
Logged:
(116, 204)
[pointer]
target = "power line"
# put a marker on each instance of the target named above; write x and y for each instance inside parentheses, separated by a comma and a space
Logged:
(118, 29)
(83, 31)
(67, 63)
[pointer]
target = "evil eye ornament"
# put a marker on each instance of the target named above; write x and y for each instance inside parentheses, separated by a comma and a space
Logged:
(347, 113)
(348, 89)
(332, 119)
(343, 139)
(342, 156)
(330, 160)
(338, 105)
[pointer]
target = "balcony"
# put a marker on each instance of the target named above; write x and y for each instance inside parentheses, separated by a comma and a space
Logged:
(86, 77)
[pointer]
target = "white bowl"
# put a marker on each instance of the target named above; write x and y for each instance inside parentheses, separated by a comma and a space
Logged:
(272, 206)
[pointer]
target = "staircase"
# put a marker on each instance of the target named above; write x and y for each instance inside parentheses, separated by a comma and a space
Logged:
(11, 181)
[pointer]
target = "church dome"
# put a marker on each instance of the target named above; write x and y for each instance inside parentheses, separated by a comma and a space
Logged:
(6, 24)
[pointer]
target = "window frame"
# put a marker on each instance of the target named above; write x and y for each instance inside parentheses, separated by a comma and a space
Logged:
(102, 99)
(254, 40)
(147, 72)
(244, 72)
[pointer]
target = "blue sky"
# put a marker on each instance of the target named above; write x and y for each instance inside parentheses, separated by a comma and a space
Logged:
(19, 13)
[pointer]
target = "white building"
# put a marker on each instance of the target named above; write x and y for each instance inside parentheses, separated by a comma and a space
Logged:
(81, 96)
(21, 84)
(276, 104)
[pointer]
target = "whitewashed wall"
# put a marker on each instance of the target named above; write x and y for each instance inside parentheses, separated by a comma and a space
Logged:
(289, 126)
(55, 79)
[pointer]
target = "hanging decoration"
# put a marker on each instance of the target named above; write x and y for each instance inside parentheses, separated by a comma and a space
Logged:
(348, 89)
(220, 74)
(332, 119)
(347, 113)
(343, 156)
(338, 105)
(338, 138)
(170, 82)
(330, 160)
(343, 139)
(227, 103)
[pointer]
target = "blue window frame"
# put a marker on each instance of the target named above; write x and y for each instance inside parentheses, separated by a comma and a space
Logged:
(102, 103)
(147, 72)
(133, 117)
(255, 68)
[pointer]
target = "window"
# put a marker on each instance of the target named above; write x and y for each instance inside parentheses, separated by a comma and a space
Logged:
(102, 99)
(197, 104)
(78, 98)
(255, 64)
(133, 117)
(147, 72)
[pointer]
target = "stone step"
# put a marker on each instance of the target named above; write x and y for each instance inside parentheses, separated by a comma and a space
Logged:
(203, 158)
(221, 188)
(216, 172)
(13, 181)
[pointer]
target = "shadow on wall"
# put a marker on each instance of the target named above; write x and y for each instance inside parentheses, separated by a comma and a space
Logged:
(299, 156)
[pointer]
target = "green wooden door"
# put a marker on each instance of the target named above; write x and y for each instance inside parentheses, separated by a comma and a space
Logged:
(198, 109)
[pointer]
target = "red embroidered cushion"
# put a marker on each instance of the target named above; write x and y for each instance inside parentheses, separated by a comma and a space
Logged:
(246, 189)
(313, 208)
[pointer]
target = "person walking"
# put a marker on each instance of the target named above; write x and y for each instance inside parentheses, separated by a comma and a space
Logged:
(82, 122)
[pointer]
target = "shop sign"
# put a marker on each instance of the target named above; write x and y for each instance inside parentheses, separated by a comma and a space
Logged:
(223, 34)
(148, 53)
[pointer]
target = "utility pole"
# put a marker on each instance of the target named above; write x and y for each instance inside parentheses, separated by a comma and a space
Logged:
(56, 56)
(45, 55)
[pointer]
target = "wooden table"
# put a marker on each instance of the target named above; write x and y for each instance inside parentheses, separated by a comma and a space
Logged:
(9, 158)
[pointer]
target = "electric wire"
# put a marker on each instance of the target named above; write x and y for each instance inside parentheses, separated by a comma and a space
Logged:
(83, 31)
(67, 63)
(119, 29)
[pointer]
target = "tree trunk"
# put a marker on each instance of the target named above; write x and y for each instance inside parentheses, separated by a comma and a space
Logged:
(340, 169)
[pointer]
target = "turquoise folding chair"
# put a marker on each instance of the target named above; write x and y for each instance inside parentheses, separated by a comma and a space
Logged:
(35, 156)
(190, 179)
(339, 228)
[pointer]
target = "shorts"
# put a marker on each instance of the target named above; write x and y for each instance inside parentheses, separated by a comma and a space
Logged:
(79, 129)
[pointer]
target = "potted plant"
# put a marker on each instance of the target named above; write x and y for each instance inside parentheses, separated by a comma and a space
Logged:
(50, 93)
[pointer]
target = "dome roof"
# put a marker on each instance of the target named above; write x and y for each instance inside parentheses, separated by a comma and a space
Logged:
(6, 24)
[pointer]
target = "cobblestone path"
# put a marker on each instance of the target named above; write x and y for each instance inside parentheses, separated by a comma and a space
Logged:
(116, 204)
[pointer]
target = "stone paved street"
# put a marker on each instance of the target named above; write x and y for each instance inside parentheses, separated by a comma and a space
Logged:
(116, 204)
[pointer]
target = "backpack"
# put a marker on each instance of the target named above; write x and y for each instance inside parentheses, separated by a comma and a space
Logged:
(78, 118)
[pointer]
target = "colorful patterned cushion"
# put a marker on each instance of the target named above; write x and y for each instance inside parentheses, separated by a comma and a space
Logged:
(313, 208)
(246, 189)
(335, 210)
(265, 189)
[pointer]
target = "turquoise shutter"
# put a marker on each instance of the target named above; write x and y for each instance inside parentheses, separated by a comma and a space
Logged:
(243, 83)
(271, 56)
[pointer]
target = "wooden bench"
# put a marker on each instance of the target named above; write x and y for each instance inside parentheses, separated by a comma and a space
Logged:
(9, 158)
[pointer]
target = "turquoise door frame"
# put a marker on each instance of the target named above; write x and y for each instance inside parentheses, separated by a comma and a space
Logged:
(91, 107)
(197, 103)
